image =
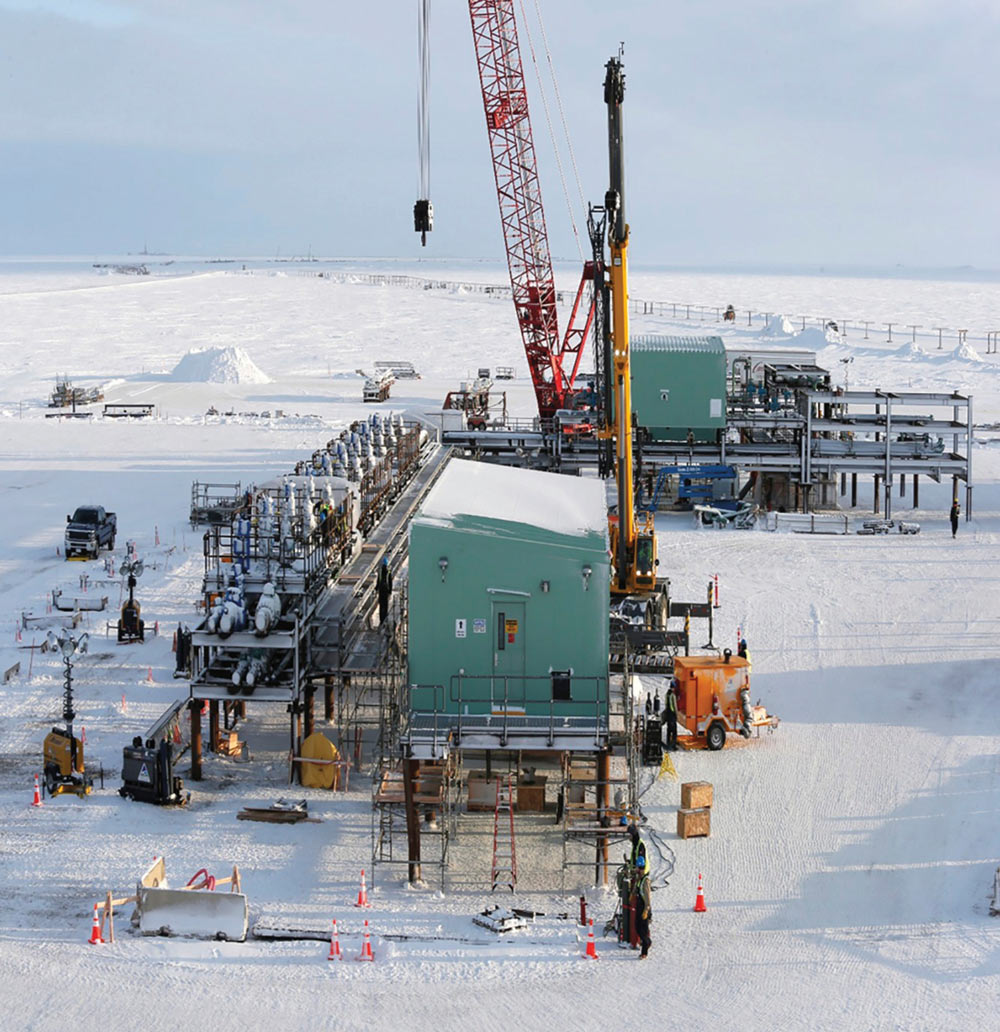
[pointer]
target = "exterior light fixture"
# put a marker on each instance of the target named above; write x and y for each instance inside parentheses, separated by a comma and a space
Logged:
(545, 586)
(443, 566)
(586, 571)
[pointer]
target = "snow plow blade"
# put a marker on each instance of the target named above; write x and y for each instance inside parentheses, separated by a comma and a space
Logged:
(193, 914)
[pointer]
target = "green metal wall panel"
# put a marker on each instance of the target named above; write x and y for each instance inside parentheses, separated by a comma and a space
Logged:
(487, 618)
(679, 384)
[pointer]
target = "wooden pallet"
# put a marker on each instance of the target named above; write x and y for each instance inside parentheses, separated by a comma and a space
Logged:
(276, 815)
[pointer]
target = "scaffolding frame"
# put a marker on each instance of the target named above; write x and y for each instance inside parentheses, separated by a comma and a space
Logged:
(602, 826)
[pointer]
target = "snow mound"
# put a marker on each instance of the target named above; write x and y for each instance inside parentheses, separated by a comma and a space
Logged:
(911, 349)
(814, 339)
(778, 326)
(218, 365)
(966, 352)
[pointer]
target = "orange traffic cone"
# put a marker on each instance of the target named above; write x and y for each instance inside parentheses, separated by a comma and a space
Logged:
(366, 949)
(37, 801)
(363, 893)
(95, 931)
(591, 953)
(699, 903)
(149, 676)
(334, 944)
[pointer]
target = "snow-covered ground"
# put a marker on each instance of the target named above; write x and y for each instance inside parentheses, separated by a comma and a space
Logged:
(852, 852)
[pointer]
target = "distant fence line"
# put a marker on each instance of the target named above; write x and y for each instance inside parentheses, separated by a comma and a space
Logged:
(861, 329)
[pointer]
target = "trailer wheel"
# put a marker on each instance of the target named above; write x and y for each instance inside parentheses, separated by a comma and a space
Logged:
(715, 736)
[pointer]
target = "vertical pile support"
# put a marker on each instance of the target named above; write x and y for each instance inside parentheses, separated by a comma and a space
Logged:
(411, 772)
(195, 710)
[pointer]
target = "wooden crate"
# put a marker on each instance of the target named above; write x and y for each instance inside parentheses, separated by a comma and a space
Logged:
(696, 795)
(482, 791)
(694, 823)
(531, 797)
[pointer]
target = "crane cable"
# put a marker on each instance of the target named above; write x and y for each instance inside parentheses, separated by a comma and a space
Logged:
(562, 113)
(548, 119)
(423, 99)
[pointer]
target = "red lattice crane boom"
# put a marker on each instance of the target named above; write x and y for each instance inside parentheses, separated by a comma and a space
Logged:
(553, 362)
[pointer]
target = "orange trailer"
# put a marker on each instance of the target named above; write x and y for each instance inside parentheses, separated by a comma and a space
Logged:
(709, 702)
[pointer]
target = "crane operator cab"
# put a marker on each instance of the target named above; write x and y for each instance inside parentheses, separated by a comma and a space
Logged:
(645, 561)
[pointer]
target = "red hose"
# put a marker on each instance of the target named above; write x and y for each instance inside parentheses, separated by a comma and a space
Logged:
(209, 880)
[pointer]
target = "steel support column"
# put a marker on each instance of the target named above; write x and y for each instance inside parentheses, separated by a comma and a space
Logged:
(213, 725)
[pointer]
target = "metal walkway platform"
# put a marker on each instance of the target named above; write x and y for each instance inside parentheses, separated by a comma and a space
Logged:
(435, 735)
(340, 639)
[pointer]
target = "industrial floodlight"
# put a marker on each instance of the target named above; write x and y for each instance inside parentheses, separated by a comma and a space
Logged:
(131, 567)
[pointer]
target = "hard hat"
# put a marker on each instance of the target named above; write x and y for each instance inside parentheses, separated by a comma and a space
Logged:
(640, 861)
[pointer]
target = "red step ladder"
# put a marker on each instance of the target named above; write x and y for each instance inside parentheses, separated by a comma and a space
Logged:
(504, 854)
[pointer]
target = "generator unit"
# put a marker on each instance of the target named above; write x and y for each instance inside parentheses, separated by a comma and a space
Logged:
(148, 774)
(63, 767)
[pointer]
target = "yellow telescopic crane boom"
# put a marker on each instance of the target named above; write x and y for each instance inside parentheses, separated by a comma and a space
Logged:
(633, 546)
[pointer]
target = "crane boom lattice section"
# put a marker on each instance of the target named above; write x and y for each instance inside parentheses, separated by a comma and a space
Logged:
(522, 217)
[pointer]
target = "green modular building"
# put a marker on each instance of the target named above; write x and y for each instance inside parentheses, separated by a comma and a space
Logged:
(679, 384)
(508, 608)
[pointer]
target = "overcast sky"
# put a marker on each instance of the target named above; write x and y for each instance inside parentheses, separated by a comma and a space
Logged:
(820, 132)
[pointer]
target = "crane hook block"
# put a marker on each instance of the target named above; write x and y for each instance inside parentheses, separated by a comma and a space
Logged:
(423, 219)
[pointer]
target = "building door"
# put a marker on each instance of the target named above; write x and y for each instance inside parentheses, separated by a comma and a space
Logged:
(508, 654)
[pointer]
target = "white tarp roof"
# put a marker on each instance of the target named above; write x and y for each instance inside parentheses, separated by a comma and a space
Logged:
(573, 506)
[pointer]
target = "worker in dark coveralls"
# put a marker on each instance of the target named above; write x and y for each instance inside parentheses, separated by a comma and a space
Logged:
(643, 906)
(384, 589)
(670, 718)
(955, 512)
